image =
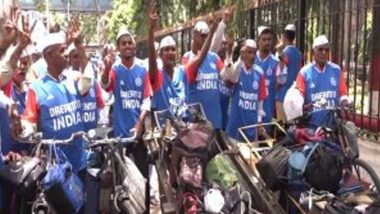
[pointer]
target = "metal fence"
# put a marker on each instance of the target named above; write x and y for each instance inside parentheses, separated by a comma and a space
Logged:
(352, 26)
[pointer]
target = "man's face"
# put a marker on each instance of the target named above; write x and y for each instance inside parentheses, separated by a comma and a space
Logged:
(199, 38)
(168, 55)
(248, 54)
(222, 50)
(126, 47)
(24, 64)
(8, 34)
(74, 59)
(265, 41)
(56, 56)
(22, 68)
(321, 54)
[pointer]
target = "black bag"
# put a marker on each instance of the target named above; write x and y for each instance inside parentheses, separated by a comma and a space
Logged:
(22, 174)
(373, 208)
(324, 169)
(272, 168)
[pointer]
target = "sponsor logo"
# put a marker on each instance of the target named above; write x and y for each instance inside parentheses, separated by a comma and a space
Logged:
(255, 85)
(138, 81)
(212, 65)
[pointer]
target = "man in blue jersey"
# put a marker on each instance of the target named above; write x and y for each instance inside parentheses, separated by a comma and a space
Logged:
(92, 102)
(53, 102)
(322, 80)
(202, 73)
(268, 63)
(292, 59)
(164, 92)
(249, 91)
(129, 81)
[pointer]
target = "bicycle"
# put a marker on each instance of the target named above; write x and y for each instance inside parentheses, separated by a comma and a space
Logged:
(342, 132)
(126, 196)
(40, 204)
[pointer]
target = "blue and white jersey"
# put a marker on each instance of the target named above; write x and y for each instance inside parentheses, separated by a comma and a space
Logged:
(130, 87)
(247, 93)
(55, 105)
(269, 66)
(316, 84)
(203, 87)
(293, 60)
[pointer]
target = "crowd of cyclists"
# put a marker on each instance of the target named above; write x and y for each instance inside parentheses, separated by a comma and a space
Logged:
(50, 86)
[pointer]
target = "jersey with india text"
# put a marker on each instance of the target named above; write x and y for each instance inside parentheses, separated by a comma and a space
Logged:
(55, 106)
(316, 84)
(130, 87)
(203, 87)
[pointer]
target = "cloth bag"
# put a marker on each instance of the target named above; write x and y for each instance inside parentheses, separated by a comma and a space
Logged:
(63, 188)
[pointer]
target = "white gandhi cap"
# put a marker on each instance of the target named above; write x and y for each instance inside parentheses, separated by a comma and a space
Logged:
(52, 39)
(201, 27)
(124, 32)
(290, 27)
(167, 41)
(261, 29)
(320, 40)
(250, 43)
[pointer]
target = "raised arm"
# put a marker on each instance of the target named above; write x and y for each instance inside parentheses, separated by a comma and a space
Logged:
(194, 65)
(217, 39)
(153, 19)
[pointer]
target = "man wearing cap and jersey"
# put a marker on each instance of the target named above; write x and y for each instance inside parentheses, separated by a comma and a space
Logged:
(202, 70)
(322, 79)
(130, 83)
(92, 102)
(292, 59)
(53, 104)
(164, 92)
(268, 63)
(249, 91)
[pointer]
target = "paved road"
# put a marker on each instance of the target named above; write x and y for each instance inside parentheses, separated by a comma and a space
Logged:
(370, 152)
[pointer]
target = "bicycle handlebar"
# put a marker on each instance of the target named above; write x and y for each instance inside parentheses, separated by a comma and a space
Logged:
(90, 137)
(36, 138)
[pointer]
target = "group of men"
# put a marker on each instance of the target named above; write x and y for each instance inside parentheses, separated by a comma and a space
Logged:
(66, 95)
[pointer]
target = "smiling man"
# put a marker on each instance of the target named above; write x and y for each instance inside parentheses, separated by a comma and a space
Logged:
(130, 83)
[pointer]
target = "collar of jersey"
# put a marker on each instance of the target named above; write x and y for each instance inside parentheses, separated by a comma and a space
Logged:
(319, 70)
(18, 89)
(247, 71)
(133, 64)
(266, 58)
(61, 77)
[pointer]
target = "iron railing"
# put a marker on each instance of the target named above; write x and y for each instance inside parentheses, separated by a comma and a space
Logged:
(353, 28)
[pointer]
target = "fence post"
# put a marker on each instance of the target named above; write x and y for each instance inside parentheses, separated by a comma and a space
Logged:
(301, 14)
(375, 63)
(335, 32)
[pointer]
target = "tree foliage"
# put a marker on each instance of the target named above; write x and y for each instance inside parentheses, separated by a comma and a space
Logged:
(132, 13)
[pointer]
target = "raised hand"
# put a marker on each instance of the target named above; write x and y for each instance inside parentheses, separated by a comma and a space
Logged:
(73, 33)
(213, 24)
(25, 32)
(108, 61)
(228, 13)
(153, 21)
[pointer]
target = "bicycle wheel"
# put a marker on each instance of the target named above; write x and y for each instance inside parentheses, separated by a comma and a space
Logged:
(365, 173)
